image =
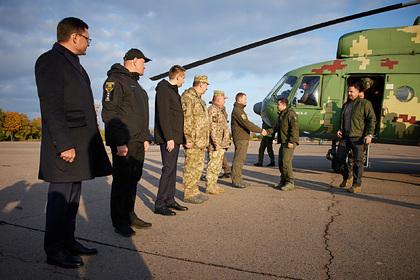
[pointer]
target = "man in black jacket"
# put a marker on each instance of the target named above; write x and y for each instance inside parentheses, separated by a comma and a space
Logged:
(71, 146)
(169, 134)
(126, 116)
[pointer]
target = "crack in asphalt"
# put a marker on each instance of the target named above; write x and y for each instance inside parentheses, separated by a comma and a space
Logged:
(2, 223)
(334, 213)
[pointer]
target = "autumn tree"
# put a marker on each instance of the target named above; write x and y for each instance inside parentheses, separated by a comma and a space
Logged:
(2, 135)
(36, 128)
(16, 126)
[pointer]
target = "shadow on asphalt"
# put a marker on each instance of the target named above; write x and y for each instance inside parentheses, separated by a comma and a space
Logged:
(305, 164)
(22, 200)
(267, 179)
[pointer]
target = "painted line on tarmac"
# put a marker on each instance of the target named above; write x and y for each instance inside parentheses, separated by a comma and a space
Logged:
(161, 255)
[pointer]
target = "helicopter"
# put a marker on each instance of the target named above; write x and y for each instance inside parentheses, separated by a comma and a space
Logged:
(386, 60)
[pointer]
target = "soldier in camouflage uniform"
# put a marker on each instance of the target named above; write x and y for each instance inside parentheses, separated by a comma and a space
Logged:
(219, 141)
(196, 132)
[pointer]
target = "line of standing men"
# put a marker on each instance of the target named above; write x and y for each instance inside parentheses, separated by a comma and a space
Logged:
(72, 149)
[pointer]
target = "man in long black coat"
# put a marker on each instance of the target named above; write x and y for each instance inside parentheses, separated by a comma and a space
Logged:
(71, 146)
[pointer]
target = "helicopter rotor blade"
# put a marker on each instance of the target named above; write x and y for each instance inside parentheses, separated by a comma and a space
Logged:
(290, 34)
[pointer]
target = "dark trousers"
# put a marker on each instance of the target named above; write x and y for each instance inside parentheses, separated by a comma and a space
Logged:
(356, 146)
(285, 164)
(266, 143)
(126, 173)
(167, 183)
(62, 206)
(241, 149)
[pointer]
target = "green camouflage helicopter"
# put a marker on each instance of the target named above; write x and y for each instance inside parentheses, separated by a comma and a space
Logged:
(387, 60)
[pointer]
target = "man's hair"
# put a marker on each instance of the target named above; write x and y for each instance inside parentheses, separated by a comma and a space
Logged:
(358, 85)
(175, 70)
(283, 100)
(239, 95)
(68, 26)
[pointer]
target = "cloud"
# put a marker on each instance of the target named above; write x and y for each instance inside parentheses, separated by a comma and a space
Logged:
(177, 32)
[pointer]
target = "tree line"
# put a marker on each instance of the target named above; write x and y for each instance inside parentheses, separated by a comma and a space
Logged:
(16, 126)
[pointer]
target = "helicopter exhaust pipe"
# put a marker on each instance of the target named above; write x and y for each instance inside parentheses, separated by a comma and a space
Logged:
(257, 108)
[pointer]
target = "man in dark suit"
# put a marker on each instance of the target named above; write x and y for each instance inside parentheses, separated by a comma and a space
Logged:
(71, 146)
(169, 134)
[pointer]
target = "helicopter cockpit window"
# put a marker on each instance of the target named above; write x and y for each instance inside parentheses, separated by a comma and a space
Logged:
(308, 91)
(283, 88)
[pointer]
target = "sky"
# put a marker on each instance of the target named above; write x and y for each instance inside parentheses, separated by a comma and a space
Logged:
(180, 32)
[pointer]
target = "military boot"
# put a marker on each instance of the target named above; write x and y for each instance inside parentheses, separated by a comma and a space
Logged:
(193, 199)
(288, 187)
(279, 185)
(212, 190)
(203, 197)
(224, 175)
(355, 189)
(343, 184)
(215, 190)
(239, 185)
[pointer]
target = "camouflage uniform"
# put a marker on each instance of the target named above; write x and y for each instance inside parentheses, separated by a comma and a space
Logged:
(219, 142)
(196, 132)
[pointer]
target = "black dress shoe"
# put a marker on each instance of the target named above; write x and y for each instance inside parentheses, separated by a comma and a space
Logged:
(271, 164)
(139, 223)
(165, 211)
(64, 259)
(125, 231)
(177, 206)
(77, 248)
(258, 164)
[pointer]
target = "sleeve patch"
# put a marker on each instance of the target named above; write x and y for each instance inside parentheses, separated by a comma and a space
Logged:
(109, 87)
(243, 116)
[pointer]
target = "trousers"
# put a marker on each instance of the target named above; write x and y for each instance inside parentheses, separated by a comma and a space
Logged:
(126, 173)
(62, 206)
(167, 182)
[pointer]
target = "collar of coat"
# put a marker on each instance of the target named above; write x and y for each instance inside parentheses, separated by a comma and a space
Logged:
(64, 50)
(239, 105)
(284, 111)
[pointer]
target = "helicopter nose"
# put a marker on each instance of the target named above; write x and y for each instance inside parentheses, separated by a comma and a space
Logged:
(257, 108)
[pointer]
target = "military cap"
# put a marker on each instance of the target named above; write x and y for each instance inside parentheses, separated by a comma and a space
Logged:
(219, 93)
(201, 78)
(135, 53)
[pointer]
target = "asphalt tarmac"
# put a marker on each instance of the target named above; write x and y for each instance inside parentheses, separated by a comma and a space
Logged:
(313, 232)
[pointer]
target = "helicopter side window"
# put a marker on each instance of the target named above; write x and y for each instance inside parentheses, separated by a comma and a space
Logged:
(308, 91)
